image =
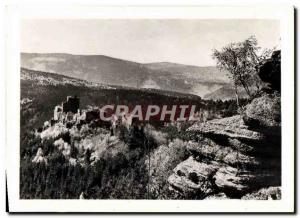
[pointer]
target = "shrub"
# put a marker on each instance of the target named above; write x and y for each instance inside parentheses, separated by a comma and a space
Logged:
(162, 162)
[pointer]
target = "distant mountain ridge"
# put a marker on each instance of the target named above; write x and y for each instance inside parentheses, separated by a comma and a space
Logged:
(40, 78)
(113, 71)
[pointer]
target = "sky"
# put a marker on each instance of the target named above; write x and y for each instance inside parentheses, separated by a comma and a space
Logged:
(180, 41)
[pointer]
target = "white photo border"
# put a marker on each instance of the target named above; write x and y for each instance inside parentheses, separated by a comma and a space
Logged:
(283, 13)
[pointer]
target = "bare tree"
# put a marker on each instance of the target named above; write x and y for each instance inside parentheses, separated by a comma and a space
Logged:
(241, 60)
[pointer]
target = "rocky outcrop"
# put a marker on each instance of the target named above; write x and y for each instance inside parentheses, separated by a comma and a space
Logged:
(191, 176)
(231, 127)
(271, 193)
(263, 111)
(233, 180)
(209, 150)
(231, 156)
(270, 72)
(219, 196)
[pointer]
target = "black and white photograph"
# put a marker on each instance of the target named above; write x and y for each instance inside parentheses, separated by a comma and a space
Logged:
(186, 109)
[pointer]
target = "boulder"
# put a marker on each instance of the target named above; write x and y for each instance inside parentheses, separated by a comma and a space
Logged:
(235, 158)
(235, 182)
(193, 178)
(263, 111)
(270, 73)
(242, 146)
(192, 166)
(218, 196)
(271, 193)
(229, 127)
(232, 181)
(208, 150)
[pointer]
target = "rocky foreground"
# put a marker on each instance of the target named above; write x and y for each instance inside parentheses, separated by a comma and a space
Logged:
(236, 157)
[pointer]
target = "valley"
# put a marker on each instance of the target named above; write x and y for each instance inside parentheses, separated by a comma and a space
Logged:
(106, 70)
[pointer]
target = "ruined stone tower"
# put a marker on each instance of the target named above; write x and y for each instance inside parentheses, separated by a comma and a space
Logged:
(71, 105)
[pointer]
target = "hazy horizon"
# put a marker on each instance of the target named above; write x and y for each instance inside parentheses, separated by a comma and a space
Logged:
(116, 58)
(188, 42)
